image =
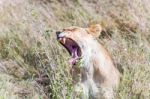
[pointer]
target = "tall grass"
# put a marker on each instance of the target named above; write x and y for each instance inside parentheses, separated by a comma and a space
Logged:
(36, 65)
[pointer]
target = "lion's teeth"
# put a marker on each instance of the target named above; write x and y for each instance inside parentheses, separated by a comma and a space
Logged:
(60, 39)
(76, 53)
(64, 40)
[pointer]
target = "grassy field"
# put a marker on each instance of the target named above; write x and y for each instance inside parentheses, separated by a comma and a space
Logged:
(33, 65)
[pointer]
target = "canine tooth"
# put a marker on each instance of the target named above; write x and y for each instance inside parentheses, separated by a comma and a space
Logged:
(60, 39)
(76, 53)
(72, 54)
(64, 40)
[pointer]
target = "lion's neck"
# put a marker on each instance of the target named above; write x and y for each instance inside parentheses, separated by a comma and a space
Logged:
(91, 50)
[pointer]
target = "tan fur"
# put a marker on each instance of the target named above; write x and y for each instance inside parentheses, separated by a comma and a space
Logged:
(99, 76)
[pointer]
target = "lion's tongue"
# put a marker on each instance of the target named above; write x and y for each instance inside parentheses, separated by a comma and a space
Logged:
(74, 57)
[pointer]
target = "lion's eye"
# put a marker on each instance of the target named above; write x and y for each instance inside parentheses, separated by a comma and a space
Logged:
(64, 29)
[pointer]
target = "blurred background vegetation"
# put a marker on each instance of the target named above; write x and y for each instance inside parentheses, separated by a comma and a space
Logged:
(33, 65)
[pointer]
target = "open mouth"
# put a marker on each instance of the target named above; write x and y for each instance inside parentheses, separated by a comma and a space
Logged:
(73, 49)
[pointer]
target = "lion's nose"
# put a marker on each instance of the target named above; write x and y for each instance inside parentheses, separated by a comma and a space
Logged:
(57, 33)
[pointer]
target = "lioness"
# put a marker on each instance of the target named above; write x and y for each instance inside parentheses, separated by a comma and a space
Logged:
(99, 76)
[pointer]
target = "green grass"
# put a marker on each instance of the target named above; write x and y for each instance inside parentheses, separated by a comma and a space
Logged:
(33, 65)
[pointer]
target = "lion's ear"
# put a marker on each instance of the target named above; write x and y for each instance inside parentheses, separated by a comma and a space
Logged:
(95, 30)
